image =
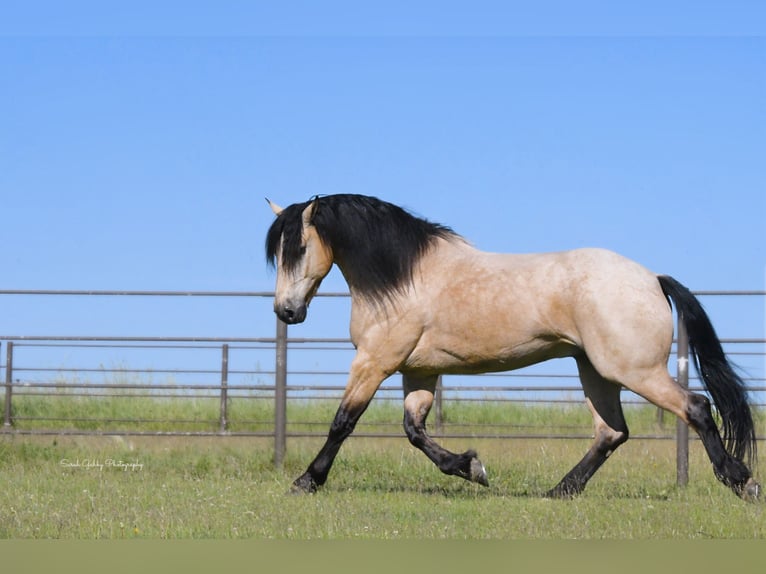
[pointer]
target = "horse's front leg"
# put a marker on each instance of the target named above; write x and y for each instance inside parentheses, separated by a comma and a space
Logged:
(418, 398)
(364, 379)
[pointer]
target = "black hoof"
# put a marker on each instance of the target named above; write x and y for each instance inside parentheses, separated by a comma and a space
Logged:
(467, 466)
(304, 485)
(559, 494)
(563, 491)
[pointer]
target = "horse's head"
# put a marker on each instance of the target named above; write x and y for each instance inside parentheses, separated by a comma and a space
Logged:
(301, 258)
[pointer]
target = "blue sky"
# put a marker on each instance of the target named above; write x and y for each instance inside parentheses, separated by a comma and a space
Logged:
(137, 145)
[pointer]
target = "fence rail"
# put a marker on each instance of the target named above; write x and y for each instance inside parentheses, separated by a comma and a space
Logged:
(232, 371)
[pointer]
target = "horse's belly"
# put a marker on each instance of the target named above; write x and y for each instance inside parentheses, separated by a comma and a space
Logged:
(465, 359)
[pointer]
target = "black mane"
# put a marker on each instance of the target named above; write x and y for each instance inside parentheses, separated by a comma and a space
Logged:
(375, 243)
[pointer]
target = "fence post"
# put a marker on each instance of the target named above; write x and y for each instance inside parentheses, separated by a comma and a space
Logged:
(438, 412)
(224, 416)
(7, 422)
(280, 395)
(682, 430)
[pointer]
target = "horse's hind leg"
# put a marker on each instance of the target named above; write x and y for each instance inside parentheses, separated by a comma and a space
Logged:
(695, 410)
(730, 471)
(603, 398)
(658, 387)
(418, 398)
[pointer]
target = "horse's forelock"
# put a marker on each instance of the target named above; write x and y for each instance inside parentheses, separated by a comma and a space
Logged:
(286, 230)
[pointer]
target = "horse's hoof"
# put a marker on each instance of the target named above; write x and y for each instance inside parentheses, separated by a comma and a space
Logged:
(564, 490)
(478, 472)
(304, 485)
(751, 492)
(559, 494)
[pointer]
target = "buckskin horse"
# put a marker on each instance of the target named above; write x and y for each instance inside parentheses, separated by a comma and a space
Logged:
(424, 302)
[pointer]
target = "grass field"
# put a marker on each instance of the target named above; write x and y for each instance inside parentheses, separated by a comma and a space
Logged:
(227, 487)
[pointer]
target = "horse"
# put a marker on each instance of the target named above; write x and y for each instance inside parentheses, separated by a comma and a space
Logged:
(425, 302)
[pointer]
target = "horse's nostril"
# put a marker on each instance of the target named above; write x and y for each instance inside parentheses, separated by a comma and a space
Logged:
(290, 315)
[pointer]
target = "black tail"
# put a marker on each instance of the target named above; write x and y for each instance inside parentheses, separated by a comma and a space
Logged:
(726, 388)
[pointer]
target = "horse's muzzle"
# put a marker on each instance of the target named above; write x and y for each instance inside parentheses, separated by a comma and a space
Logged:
(292, 315)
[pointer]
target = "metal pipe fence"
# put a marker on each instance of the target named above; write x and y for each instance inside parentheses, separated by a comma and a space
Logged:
(247, 386)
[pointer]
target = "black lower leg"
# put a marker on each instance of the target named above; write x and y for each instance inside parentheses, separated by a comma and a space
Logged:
(316, 475)
(575, 480)
(730, 471)
(465, 465)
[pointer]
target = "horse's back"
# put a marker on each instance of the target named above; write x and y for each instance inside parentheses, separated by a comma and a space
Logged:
(564, 287)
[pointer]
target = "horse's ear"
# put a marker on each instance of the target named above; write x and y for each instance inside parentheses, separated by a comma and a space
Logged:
(274, 207)
(308, 213)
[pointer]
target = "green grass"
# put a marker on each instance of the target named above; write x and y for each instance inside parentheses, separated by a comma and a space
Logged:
(219, 487)
(380, 488)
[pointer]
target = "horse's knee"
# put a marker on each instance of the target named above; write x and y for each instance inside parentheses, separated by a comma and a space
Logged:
(413, 428)
(344, 423)
(417, 405)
